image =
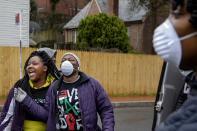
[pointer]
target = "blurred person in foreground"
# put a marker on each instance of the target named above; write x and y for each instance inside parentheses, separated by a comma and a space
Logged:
(19, 112)
(176, 42)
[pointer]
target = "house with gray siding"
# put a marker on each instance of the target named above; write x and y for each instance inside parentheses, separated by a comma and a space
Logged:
(10, 32)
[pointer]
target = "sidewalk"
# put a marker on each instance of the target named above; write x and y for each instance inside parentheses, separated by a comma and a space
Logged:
(132, 98)
(135, 101)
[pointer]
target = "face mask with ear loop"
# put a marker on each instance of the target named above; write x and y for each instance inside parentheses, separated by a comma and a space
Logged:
(67, 68)
(167, 43)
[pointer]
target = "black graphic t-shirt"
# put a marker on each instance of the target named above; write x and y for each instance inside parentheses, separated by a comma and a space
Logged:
(38, 95)
(68, 107)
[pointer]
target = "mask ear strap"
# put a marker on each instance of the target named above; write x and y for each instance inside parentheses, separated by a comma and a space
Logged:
(188, 36)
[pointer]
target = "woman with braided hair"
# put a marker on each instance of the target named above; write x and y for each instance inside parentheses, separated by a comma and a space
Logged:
(176, 42)
(19, 112)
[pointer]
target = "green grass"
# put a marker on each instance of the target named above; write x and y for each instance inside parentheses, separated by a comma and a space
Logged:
(135, 52)
(3, 97)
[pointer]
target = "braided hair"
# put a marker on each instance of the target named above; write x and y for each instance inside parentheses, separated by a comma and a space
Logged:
(191, 8)
(47, 61)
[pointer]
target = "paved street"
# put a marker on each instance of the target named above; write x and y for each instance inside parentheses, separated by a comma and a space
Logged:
(133, 118)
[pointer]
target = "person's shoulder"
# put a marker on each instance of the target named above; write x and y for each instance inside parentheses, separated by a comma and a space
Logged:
(88, 79)
(18, 83)
(55, 85)
(85, 77)
(93, 81)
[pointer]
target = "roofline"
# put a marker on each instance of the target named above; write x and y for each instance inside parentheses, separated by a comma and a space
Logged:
(98, 6)
(71, 28)
(89, 8)
(126, 22)
(133, 22)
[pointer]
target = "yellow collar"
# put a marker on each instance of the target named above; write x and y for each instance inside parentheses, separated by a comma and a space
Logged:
(49, 80)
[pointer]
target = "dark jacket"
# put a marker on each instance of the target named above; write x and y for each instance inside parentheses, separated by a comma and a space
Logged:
(14, 112)
(185, 119)
(92, 99)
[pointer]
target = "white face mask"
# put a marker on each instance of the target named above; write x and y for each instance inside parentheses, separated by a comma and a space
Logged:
(167, 44)
(67, 68)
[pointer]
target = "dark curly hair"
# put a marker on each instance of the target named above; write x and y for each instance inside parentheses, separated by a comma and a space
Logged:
(191, 8)
(47, 61)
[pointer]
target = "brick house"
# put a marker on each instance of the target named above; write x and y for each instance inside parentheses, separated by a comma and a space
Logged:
(64, 11)
(138, 23)
(66, 7)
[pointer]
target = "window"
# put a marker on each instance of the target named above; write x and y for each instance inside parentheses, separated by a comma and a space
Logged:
(128, 30)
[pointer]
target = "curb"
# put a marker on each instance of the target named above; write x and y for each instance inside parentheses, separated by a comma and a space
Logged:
(133, 104)
(124, 104)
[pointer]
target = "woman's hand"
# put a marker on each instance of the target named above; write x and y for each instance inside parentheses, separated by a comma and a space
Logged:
(19, 94)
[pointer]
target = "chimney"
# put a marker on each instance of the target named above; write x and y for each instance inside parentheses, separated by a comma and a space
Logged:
(112, 7)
